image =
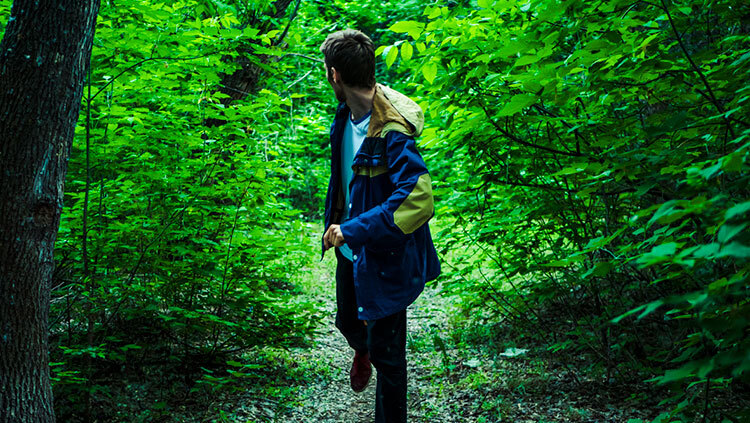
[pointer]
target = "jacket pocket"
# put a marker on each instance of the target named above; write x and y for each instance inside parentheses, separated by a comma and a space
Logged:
(393, 266)
(386, 264)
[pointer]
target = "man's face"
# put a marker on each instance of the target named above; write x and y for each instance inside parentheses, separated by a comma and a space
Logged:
(337, 85)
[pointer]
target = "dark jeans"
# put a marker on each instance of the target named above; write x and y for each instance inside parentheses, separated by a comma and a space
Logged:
(385, 339)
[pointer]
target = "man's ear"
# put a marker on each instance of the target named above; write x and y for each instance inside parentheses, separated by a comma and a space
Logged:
(335, 75)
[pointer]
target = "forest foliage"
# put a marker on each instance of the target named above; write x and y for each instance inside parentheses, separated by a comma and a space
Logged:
(591, 168)
(179, 233)
(596, 158)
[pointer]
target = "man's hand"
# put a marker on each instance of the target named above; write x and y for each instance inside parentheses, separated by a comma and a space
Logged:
(333, 237)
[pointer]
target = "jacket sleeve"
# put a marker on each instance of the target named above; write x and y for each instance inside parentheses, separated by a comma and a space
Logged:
(408, 207)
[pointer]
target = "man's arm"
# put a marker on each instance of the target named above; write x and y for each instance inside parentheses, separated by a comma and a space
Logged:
(408, 207)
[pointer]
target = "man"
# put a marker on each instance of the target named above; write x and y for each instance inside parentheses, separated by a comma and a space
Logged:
(378, 204)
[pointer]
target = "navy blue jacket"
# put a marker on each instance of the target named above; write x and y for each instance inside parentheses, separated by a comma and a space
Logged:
(391, 203)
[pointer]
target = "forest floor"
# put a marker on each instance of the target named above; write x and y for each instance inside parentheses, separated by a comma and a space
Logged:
(459, 370)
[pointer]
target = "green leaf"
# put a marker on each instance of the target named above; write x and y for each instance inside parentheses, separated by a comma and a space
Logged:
(667, 213)
(737, 210)
(130, 347)
(744, 58)
(565, 262)
(406, 51)
(526, 60)
(705, 369)
(727, 232)
(576, 70)
(734, 249)
(733, 162)
(650, 308)
(413, 28)
(683, 372)
(391, 56)
(600, 269)
(658, 254)
(707, 250)
(647, 41)
(710, 171)
(645, 310)
(517, 103)
(569, 170)
(429, 71)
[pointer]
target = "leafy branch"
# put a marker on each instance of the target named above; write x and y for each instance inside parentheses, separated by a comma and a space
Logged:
(517, 140)
(150, 59)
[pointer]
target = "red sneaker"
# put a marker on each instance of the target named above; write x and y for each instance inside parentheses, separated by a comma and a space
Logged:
(359, 375)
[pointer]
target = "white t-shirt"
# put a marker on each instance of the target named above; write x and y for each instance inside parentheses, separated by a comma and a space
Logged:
(354, 135)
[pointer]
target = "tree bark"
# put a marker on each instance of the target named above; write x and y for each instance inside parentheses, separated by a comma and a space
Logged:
(244, 80)
(44, 57)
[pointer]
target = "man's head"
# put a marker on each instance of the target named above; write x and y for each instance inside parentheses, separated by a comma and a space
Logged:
(352, 55)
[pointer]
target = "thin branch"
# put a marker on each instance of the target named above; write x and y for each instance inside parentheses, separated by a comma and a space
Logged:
(522, 184)
(234, 89)
(695, 67)
(522, 142)
(314, 59)
(111, 81)
(288, 24)
(300, 79)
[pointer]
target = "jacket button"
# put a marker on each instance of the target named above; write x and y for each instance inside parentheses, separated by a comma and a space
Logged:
(382, 273)
(354, 257)
(360, 309)
(350, 205)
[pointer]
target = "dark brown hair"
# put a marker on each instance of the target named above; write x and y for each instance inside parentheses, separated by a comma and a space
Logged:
(352, 53)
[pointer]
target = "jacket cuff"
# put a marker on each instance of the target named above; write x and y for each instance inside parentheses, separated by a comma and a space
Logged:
(355, 233)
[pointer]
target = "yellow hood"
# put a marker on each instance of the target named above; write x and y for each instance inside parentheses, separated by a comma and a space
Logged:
(393, 111)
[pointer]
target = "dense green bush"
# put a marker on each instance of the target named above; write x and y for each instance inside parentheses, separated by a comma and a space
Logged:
(179, 237)
(595, 158)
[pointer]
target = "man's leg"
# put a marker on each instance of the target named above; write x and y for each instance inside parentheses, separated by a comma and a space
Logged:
(386, 341)
(351, 327)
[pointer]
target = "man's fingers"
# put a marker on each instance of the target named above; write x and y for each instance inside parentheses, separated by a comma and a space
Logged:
(338, 238)
(333, 237)
(327, 241)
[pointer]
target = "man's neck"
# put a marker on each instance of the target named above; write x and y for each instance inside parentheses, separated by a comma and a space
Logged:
(359, 101)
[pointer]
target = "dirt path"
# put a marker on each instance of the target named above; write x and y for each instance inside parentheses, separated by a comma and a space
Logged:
(458, 371)
(331, 399)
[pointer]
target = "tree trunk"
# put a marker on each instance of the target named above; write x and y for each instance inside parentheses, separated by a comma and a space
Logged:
(44, 56)
(244, 80)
